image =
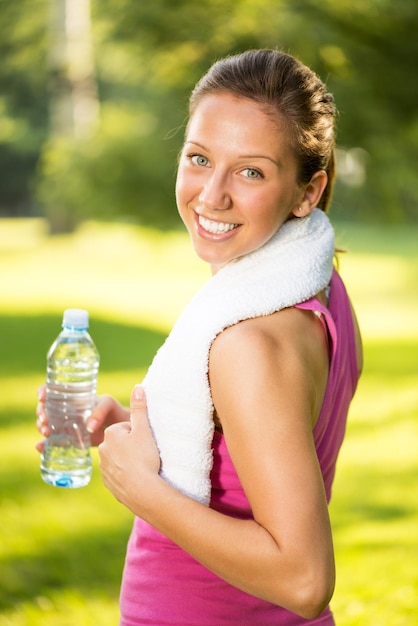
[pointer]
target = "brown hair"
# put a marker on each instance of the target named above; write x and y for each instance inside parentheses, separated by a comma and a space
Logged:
(290, 91)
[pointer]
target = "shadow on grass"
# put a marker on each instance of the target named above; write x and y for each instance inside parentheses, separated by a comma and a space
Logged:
(370, 494)
(88, 562)
(23, 479)
(26, 340)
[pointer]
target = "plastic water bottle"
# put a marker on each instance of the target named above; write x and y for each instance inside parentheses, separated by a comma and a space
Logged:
(72, 368)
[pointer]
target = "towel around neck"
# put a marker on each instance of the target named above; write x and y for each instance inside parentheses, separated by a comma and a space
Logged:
(293, 266)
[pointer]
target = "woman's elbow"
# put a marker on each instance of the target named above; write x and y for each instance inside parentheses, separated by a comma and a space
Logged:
(307, 590)
(312, 597)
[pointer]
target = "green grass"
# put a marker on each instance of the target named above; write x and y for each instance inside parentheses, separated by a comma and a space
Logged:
(62, 552)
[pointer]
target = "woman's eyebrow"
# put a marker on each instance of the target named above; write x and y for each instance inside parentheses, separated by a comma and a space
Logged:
(260, 156)
(240, 156)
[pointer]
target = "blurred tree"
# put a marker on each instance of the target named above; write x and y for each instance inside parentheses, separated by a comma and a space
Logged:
(73, 101)
(23, 100)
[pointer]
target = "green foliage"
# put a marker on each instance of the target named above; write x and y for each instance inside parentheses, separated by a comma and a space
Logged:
(23, 99)
(123, 173)
(148, 57)
(367, 54)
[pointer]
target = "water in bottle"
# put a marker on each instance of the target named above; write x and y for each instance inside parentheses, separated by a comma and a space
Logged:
(72, 368)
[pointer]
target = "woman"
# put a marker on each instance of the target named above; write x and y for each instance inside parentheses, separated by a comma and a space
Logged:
(228, 454)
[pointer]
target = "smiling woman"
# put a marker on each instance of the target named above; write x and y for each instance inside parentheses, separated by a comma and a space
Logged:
(228, 452)
(237, 179)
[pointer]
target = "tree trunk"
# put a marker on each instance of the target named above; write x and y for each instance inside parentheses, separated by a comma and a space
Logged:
(73, 100)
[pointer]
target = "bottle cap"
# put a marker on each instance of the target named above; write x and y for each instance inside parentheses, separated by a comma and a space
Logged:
(76, 318)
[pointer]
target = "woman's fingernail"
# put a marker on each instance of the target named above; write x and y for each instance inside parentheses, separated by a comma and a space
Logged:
(92, 425)
(138, 392)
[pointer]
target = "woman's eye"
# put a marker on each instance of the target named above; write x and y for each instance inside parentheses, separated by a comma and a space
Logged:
(249, 172)
(198, 159)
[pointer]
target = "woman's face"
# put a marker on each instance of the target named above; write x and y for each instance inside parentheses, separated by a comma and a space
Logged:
(237, 179)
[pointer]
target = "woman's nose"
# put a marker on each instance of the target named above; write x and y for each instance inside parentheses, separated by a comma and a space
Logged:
(215, 194)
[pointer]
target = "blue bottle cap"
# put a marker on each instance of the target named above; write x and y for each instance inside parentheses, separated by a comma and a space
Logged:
(76, 318)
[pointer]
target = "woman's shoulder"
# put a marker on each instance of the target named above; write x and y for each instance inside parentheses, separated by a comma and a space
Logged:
(288, 333)
(286, 350)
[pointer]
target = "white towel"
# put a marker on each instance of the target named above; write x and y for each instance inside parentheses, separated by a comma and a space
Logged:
(290, 268)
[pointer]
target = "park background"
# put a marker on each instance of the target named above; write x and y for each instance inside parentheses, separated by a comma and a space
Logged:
(93, 100)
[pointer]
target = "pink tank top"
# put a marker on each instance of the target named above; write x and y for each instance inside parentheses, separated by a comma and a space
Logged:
(162, 585)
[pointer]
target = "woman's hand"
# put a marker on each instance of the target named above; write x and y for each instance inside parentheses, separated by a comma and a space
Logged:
(106, 412)
(129, 458)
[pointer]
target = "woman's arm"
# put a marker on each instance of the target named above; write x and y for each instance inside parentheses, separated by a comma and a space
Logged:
(268, 378)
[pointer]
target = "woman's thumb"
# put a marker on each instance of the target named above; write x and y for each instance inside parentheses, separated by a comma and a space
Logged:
(138, 405)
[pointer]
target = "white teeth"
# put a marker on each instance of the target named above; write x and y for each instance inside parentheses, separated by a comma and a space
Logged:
(216, 228)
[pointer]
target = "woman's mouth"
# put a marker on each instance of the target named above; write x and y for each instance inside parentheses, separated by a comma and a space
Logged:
(215, 228)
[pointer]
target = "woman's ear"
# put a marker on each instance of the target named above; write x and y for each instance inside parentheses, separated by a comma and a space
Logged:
(312, 194)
